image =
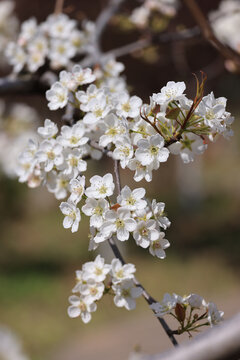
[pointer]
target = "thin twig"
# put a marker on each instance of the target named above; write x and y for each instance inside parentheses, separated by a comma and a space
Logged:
(208, 33)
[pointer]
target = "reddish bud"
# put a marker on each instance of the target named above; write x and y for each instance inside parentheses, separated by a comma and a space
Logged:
(180, 312)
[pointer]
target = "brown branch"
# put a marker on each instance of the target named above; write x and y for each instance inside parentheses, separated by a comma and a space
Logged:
(58, 9)
(208, 33)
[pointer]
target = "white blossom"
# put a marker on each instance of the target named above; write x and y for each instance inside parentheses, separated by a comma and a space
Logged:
(72, 215)
(126, 293)
(73, 136)
(57, 96)
(152, 151)
(77, 187)
(80, 307)
(101, 187)
(96, 270)
(172, 91)
(132, 200)
(214, 315)
(119, 222)
(158, 213)
(49, 129)
(121, 272)
(96, 209)
(158, 246)
(188, 146)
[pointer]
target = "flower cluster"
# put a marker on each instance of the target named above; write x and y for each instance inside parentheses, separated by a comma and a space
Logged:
(131, 214)
(226, 23)
(106, 119)
(141, 136)
(96, 279)
(17, 124)
(191, 311)
(140, 15)
(56, 39)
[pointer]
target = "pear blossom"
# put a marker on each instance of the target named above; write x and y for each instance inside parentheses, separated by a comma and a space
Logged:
(145, 233)
(152, 151)
(96, 270)
(132, 200)
(158, 246)
(166, 305)
(113, 129)
(120, 272)
(92, 290)
(141, 172)
(101, 187)
(158, 213)
(172, 91)
(126, 293)
(98, 109)
(17, 56)
(79, 281)
(80, 307)
(58, 183)
(188, 146)
(128, 106)
(57, 96)
(214, 315)
(72, 215)
(195, 301)
(73, 164)
(49, 130)
(119, 222)
(82, 76)
(73, 136)
(123, 151)
(77, 187)
(112, 68)
(96, 209)
(50, 154)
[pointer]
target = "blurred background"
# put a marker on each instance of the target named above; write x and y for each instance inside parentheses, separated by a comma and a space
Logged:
(38, 256)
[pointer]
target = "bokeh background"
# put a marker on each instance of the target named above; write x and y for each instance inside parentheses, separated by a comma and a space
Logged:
(38, 257)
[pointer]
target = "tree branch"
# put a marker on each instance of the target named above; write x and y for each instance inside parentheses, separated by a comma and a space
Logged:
(208, 33)
(105, 16)
(27, 85)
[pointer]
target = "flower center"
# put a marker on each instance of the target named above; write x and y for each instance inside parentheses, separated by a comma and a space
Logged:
(154, 150)
(126, 107)
(119, 223)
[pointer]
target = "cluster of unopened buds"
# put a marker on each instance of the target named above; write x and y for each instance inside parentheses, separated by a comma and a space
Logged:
(105, 119)
(57, 39)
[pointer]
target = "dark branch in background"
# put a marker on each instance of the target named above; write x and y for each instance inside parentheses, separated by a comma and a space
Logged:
(149, 299)
(219, 343)
(105, 16)
(30, 84)
(58, 7)
(208, 33)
